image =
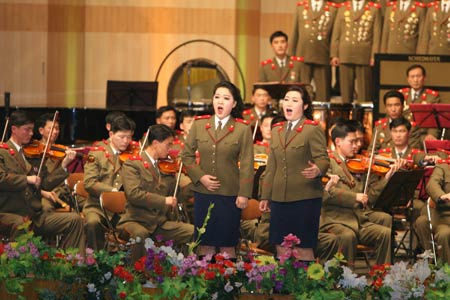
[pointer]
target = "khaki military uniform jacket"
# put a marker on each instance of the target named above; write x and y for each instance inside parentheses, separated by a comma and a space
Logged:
(356, 35)
(16, 195)
(401, 28)
(412, 154)
(438, 185)
(101, 174)
(426, 96)
(145, 194)
(261, 147)
(283, 181)
(435, 37)
(251, 116)
(219, 156)
(270, 71)
(384, 139)
(312, 32)
(339, 204)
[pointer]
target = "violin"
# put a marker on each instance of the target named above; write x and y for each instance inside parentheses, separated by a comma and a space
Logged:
(133, 149)
(35, 150)
(360, 164)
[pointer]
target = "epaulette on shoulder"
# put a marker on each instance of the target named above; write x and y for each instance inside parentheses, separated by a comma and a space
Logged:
(381, 121)
(311, 122)
(135, 157)
(242, 121)
(385, 150)
(261, 143)
(392, 3)
(404, 90)
(247, 112)
(300, 3)
(413, 124)
(432, 3)
(415, 151)
(298, 58)
(373, 4)
(431, 92)
(202, 117)
(443, 161)
(333, 4)
(420, 4)
(98, 148)
(266, 62)
(278, 124)
(4, 146)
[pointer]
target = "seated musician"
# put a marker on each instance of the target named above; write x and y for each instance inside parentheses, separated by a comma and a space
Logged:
(394, 103)
(20, 188)
(148, 200)
(110, 117)
(61, 195)
(102, 174)
(418, 93)
(438, 188)
(186, 120)
(262, 147)
(346, 208)
(260, 100)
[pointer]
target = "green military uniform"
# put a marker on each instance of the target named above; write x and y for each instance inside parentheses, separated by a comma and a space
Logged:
(282, 180)
(18, 199)
(251, 116)
(343, 216)
(438, 185)
(101, 174)
(426, 96)
(261, 147)
(401, 28)
(384, 139)
(435, 36)
(355, 40)
(270, 71)
(311, 40)
(146, 210)
(219, 156)
(327, 246)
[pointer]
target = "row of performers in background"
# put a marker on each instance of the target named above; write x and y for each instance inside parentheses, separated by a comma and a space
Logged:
(217, 152)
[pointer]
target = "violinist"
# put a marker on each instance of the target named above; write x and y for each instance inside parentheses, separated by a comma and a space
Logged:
(394, 103)
(346, 208)
(110, 117)
(260, 100)
(263, 147)
(20, 189)
(186, 120)
(57, 197)
(148, 199)
(102, 174)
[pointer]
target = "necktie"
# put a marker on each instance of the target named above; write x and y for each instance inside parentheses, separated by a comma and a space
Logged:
(218, 129)
(282, 63)
(21, 157)
(444, 7)
(155, 165)
(316, 7)
(415, 96)
(288, 132)
(400, 155)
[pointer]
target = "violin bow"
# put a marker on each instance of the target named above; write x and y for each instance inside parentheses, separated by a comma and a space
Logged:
(5, 129)
(179, 205)
(145, 140)
(254, 130)
(47, 144)
(372, 155)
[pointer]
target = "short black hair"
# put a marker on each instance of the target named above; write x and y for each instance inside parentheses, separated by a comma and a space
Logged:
(402, 121)
(306, 99)
(394, 94)
(123, 123)
(19, 118)
(276, 34)
(357, 124)
(43, 119)
(259, 87)
(416, 66)
(112, 115)
(187, 114)
(268, 115)
(163, 109)
(341, 130)
(236, 112)
(160, 133)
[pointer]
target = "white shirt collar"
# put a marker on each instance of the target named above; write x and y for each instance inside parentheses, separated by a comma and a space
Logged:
(224, 121)
(151, 158)
(402, 3)
(115, 151)
(403, 151)
(16, 145)
(294, 123)
(316, 2)
(357, 5)
(280, 61)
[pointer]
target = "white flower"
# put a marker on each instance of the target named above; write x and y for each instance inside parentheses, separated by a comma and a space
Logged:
(214, 296)
(91, 288)
(427, 254)
(238, 284)
(138, 239)
(422, 270)
(149, 244)
(441, 275)
(350, 280)
(107, 276)
(228, 287)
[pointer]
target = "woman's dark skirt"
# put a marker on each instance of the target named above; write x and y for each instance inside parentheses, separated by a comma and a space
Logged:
(300, 218)
(223, 226)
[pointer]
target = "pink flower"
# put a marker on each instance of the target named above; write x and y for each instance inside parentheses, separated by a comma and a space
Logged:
(90, 260)
(290, 241)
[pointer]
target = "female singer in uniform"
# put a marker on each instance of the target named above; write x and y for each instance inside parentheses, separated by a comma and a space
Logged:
(292, 183)
(222, 141)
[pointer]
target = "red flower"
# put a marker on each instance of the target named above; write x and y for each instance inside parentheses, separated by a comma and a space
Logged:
(2, 248)
(122, 295)
(378, 283)
(140, 264)
(209, 275)
(44, 256)
(59, 255)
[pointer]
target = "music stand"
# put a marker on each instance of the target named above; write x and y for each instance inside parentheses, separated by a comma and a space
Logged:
(436, 115)
(398, 192)
(131, 95)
